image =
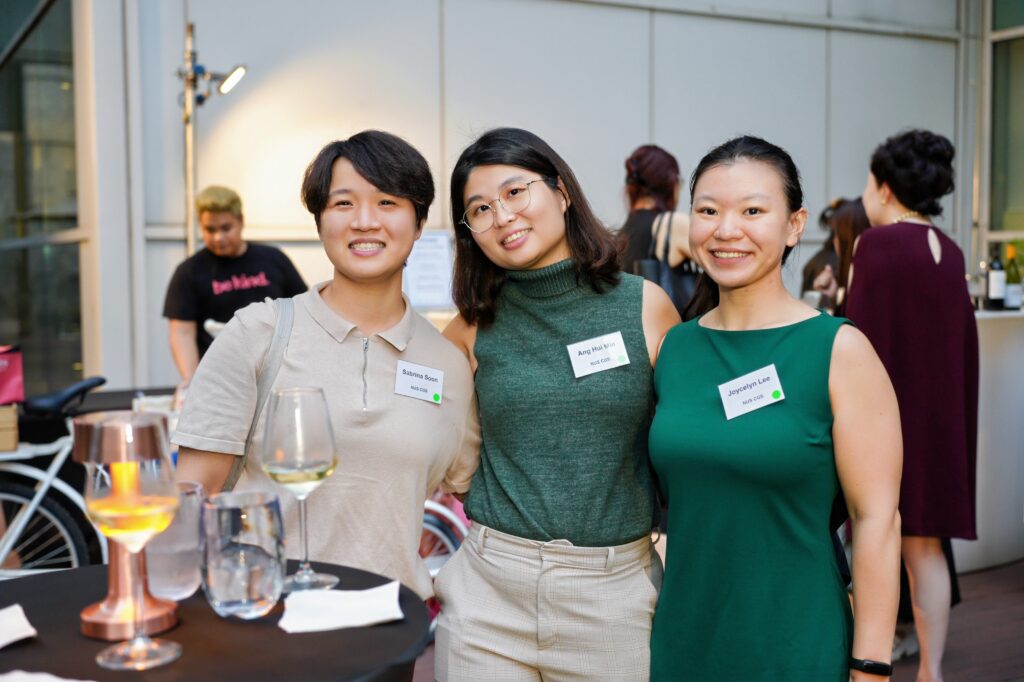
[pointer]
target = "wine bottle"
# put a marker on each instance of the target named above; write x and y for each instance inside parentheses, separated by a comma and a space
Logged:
(1014, 287)
(995, 281)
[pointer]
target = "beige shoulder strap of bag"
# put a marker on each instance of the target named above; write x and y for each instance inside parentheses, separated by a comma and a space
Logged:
(282, 332)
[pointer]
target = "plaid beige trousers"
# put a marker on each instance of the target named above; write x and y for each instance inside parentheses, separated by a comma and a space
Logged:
(517, 609)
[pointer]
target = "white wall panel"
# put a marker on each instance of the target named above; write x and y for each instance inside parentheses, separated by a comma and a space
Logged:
(815, 8)
(161, 260)
(879, 86)
(716, 79)
(934, 14)
(161, 54)
(575, 74)
(318, 71)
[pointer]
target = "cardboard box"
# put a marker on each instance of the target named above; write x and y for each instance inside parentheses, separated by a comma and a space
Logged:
(8, 428)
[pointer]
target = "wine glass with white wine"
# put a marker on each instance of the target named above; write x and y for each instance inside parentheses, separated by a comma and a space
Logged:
(299, 453)
(131, 496)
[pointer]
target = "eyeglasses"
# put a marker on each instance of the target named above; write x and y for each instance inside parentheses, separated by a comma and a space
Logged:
(480, 216)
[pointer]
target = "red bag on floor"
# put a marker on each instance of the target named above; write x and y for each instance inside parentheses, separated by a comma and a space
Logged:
(12, 384)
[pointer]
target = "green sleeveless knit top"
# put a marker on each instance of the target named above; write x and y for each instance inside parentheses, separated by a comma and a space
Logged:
(561, 457)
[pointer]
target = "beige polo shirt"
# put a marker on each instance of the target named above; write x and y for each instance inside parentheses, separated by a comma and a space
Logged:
(393, 450)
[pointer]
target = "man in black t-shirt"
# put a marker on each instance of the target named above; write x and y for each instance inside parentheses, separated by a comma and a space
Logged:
(208, 287)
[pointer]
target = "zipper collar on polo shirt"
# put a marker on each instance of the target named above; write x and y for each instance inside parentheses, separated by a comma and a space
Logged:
(339, 328)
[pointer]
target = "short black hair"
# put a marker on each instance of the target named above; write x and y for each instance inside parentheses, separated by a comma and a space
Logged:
(918, 167)
(386, 161)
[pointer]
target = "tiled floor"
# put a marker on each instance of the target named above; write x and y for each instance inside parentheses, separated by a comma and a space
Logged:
(986, 632)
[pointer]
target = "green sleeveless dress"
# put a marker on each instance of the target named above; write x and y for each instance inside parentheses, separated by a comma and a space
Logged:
(752, 591)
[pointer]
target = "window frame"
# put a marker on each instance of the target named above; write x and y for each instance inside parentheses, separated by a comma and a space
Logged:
(988, 235)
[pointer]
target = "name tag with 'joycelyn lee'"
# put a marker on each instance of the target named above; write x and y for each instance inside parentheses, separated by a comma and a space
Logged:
(598, 354)
(751, 392)
(419, 381)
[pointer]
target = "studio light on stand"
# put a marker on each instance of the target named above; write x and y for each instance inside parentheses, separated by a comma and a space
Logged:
(199, 87)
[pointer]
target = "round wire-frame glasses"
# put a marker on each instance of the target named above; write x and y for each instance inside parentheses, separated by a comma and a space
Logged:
(480, 216)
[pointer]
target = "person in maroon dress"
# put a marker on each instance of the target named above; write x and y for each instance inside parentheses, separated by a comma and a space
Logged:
(908, 294)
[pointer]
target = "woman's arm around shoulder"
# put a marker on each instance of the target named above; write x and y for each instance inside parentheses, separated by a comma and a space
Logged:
(463, 335)
(659, 315)
(869, 460)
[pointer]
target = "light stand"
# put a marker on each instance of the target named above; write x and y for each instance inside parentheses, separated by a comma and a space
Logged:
(194, 75)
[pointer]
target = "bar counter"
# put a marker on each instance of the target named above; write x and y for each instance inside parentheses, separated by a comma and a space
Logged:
(1000, 483)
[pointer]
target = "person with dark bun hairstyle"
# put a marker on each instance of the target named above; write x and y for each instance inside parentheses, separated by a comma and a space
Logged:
(908, 294)
(557, 579)
(767, 411)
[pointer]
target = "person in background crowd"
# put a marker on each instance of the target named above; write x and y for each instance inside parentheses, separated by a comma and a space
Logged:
(652, 187)
(847, 221)
(768, 409)
(369, 196)
(230, 273)
(824, 259)
(908, 294)
(557, 579)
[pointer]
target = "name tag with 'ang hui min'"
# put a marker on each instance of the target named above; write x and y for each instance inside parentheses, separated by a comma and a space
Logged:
(598, 354)
(750, 392)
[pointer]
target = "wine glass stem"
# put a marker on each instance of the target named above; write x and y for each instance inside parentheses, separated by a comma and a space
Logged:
(304, 566)
(138, 632)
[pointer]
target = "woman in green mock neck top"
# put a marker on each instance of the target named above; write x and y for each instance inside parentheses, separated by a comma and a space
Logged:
(557, 579)
(767, 409)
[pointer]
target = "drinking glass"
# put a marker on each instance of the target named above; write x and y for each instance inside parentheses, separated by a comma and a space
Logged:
(131, 496)
(243, 560)
(172, 558)
(298, 454)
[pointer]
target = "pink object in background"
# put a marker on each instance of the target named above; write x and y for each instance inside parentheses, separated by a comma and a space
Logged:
(12, 384)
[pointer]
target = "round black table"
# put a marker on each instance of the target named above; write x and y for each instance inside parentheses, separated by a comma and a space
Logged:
(214, 648)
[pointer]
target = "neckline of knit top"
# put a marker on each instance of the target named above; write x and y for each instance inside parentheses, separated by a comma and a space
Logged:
(547, 282)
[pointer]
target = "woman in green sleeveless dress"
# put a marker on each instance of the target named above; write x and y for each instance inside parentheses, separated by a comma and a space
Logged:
(766, 410)
(556, 579)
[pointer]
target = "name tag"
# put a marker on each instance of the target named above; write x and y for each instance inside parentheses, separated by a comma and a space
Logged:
(751, 392)
(598, 354)
(419, 381)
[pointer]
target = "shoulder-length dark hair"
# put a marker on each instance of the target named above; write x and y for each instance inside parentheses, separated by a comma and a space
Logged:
(744, 148)
(849, 221)
(477, 280)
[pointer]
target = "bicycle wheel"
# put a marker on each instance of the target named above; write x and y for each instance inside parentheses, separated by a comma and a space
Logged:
(50, 540)
(437, 543)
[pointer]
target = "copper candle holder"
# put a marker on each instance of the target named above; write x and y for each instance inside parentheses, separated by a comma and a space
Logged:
(99, 438)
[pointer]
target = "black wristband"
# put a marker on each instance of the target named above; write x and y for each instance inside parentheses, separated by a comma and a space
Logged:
(871, 667)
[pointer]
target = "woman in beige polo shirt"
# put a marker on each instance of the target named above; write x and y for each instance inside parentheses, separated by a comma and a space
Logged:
(369, 196)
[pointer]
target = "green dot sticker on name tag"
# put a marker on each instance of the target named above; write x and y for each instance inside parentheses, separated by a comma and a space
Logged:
(437, 397)
(776, 395)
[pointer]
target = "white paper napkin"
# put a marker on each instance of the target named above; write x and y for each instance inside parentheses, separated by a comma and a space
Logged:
(318, 610)
(22, 676)
(14, 625)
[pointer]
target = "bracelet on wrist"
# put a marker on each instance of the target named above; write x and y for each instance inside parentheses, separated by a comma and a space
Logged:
(865, 665)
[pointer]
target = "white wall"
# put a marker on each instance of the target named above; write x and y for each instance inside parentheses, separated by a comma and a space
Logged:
(826, 79)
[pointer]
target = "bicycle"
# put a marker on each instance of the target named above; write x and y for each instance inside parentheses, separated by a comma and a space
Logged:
(43, 520)
(444, 529)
